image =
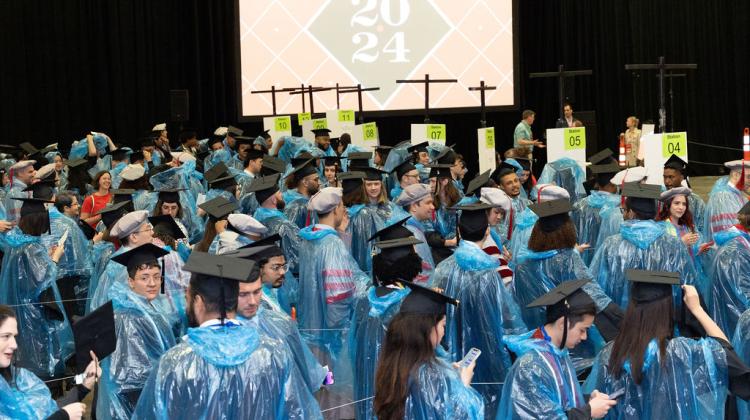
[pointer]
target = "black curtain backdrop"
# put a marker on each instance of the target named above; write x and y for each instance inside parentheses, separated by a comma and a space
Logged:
(77, 65)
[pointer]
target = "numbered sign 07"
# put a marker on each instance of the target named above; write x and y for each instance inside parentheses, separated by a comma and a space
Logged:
(575, 138)
(435, 132)
(674, 144)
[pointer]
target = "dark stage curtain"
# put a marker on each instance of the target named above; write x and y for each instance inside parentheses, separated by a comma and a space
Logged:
(74, 65)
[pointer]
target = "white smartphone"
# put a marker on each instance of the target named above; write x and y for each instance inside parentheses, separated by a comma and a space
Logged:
(63, 238)
(470, 357)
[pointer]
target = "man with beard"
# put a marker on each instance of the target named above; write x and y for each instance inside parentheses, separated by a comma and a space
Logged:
(506, 178)
(323, 141)
(269, 213)
(302, 183)
(255, 374)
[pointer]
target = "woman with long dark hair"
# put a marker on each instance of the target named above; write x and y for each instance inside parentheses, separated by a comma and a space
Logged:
(22, 394)
(412, 379)
(663, 376)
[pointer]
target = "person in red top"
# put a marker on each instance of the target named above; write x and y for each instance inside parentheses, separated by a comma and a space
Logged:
(95, 202)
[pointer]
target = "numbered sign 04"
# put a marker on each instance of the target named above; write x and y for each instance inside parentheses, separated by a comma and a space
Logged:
(674, 144)
(575, 138)
(372, 15)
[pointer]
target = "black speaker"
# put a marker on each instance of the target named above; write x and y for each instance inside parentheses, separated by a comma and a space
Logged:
(179, 105)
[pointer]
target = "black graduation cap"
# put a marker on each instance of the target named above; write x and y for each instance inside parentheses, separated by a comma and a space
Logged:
(440, 170)
(394, 231)
(76, 163)
(566, 299)
(638, 190)
(264, 187)
(301, 158)
(359, 159)
(147, 140)
(473, 218)
(745, 210)
(420, 147)
(119, 153)
(112, 213)
(222, 182)
(422, 300)
(601, 157)
(32, 205)
(86, 229)
(137, 156)
(383, 147)
(166, 221)
(446, 156)
(304, 169)
(213, 140)
(140, 255)
(217, 171)
(321, 132)
(243, 140)
(272, 165)
(352, 180)
(649, 286)
(403, 168)
(42, 189)
(501, 171)
(254, 153)
(373, 174)
(476, 184)
(123, 194)
(331, 160)
(234, 131)
(218, 208)
(39, 161)
(95, 332)
(395, 241)
(265, 134)
(552, 213)
(264, 248)
(170, 195)
(604, 173)
(674, 162)
(28, 148)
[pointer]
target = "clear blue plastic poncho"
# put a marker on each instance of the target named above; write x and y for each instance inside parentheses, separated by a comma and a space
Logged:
(76, 260)
(565, 173)
(80, 149)
(13, 207)
(487, 312)
(144, 334)
(280, 326)
(436, 392)
(423, 249)
(741, 344)
(698, 209)
(542, 382)
(729, 292)
(228, 372)
(587, 218)
(721, 210)
(113, 273)
(28, 398)
(445, 222)
(519, 240)
(690, 383)
(610, 225)
(364, 221)
(44, 344)
(182, 177)
(539, 272)
(368, 327)
(642, 245)
(100, 253)
(296, 209)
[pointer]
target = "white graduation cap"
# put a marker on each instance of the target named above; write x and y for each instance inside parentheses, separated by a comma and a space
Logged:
(221, 131)
(246, 225)
(495, 197)
(635, 174)
(132, 172)
(160, 127)
(549, 192)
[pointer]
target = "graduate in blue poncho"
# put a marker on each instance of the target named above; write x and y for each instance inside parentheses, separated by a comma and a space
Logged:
(506, 179)
(330, 284)
(269, 320)
(641, 244)
(542, 383)
(28, 280)
(414, 380)
(103, 249)
(675, 171)
(416, 201)
(741, 344)
(302, 183)
(21, 175)
(23, 396)
(175, 202)
(729, 287)
(565, 173)
(143, 329)
(487, 311)
(727, 198)
(587, 212)
(611, 215)
(396, 261)
(406, 174)
(238, 230)
(353, 197)
(256, 374)
(658, 375)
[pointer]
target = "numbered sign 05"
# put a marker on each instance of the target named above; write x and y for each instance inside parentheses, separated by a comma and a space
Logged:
(674, 144)
(372, 15)
(575, 138)
(436, 132)
(282, 124)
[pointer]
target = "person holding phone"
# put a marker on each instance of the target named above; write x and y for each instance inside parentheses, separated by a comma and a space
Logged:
(542, 382)
(413, 378)
(23, 394)
(666, 376)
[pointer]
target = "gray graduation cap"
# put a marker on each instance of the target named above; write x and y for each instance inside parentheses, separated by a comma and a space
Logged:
(649, 286)
(216, 171)
(601, 156)
(476, 184)
(256, 253)
(552, 213)
(422, 300)
(272, 165)
(359, 159)
(222, 182)
(352, 180)
(638, 190)
(566, 299)
(218, 208)
(264, 187)
(95, 332)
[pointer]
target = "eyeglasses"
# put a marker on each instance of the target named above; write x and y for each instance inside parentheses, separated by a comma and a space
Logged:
(148, 229)
(279, 267)
(412, 176)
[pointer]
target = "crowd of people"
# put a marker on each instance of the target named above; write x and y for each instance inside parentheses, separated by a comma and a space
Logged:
(251, 277)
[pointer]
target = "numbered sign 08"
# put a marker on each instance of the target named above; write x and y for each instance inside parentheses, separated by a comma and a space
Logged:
(436, 132)
(674, 144)
(575, 138)
(369, 132)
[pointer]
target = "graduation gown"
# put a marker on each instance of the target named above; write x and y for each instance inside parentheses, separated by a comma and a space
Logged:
(721, 210)
(27, 399)
(436, 392)
(729, 292)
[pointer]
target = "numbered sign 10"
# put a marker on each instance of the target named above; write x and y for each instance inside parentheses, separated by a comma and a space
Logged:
(489, 138)
(346, 116)
(303, 116)
(319, 123)
(435, 132)
(575, 138)
(674, 144)
(282, 124)
(370, 132)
